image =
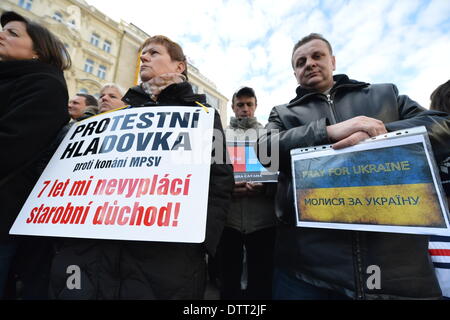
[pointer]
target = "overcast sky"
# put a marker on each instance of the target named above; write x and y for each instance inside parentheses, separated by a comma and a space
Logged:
(239, 42)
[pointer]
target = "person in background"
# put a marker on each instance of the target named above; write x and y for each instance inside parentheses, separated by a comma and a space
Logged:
(33, 108)
(440, 101)
(251, 221)
(110, 98)
(316, 263)
(151, 270)
(82, 104)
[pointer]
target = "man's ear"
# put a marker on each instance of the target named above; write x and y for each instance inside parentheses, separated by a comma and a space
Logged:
(333, 59)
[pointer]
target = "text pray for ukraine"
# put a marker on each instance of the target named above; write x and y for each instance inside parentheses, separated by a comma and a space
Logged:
(359, 169)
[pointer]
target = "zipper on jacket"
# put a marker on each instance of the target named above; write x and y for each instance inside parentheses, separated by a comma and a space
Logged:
(359, 268)
(331, 104)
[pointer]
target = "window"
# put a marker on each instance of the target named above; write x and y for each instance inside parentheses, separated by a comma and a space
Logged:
(101, 73)
(89, 66)
(95, 39)
(26, 4)
(83, 90)
(107, 46)
(71, 23)
(57, 16)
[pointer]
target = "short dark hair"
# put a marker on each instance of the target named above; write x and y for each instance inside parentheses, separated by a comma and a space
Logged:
(90, 100)
(48, 47)
(440, 98)
(174, 49)
(311, 37)
(244, 92)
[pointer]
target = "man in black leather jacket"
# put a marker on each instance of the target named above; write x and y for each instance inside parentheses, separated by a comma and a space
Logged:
(333, 264)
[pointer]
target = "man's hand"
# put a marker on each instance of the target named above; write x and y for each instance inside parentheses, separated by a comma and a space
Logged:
(240, 189)
(254, 188)
(354, 130)
(351, 140)
(246, 189)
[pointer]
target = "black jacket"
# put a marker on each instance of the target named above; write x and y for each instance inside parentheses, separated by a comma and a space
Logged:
(147, 270)
(221, 182)
(33, 108)
(338, 259)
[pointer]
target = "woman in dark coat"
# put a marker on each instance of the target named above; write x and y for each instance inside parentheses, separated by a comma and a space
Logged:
(33, 108)
(151, 270)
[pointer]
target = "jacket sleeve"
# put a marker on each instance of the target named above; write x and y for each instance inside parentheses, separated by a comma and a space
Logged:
(37, 111)
(411, 114)
(221, 183)
(278, 141)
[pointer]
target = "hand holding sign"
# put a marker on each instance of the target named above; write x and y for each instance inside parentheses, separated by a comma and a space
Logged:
(240, 189)
(247, 189)
(351, 140)
(254, 188)
(350, 132)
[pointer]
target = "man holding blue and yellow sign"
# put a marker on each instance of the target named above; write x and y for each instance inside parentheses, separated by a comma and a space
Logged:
(324, 263)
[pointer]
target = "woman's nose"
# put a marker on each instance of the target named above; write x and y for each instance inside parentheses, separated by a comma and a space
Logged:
(145, 58)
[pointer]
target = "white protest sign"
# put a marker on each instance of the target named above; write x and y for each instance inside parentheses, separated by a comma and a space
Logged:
(131, 174)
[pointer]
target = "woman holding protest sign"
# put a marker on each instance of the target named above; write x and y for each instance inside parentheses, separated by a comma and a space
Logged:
(33, 108)
(152, 270)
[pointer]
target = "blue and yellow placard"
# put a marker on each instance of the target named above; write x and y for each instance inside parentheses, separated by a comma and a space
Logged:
(383, 185)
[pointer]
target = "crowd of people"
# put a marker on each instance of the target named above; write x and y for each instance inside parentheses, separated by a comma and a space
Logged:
(253, 249)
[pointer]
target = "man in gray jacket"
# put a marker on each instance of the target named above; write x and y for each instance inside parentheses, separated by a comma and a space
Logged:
(251, 220)
(333, 264)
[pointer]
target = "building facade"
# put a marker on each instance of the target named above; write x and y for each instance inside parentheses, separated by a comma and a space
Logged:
(102, 50)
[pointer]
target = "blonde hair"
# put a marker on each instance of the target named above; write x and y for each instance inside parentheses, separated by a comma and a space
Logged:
(113, 85)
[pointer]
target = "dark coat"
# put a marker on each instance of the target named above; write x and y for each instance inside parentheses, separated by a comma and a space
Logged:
(148, 270)
(338, 259)
(221, 182)
(33, 108)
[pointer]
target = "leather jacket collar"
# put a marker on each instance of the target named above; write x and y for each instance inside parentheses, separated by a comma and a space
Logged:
(341, 81)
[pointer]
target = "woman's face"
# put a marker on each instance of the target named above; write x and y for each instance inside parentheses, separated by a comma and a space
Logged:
(15, 43)
(157, 61)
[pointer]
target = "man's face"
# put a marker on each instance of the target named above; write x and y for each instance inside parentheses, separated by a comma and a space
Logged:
(314, 65)
(110, 99)
(244, 107)
(77, 106)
